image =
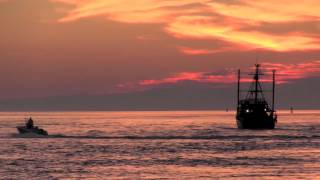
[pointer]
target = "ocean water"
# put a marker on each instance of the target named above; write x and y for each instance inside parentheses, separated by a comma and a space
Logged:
(159, 145)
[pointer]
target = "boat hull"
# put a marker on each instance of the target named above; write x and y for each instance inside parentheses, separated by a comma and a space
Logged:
(248, 122)
(24, 130)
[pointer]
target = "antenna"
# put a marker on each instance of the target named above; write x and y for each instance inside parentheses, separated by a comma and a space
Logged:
(257, 57)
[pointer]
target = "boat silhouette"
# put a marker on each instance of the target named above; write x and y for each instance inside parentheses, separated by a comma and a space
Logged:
(29, 128)
(254, 112)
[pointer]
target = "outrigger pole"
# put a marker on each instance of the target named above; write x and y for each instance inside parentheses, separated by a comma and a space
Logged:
(238, 88)
(256, 77)
(273, 87)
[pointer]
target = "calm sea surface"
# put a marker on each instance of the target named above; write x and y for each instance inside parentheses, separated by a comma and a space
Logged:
(159, 145)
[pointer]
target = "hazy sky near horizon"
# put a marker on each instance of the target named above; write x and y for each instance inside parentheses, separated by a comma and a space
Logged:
(96, 47)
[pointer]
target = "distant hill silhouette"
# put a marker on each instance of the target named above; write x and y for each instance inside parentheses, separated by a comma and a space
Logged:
(187, 95)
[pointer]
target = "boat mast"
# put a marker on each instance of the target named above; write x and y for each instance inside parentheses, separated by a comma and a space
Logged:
(238, 88)
(256, 77)
(273, 87)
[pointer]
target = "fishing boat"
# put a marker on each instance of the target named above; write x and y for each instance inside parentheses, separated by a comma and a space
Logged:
(253, 111)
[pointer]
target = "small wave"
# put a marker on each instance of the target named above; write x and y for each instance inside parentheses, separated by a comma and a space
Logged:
(96, 133)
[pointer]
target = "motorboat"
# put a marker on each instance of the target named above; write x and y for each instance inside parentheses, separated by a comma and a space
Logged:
(29, 128)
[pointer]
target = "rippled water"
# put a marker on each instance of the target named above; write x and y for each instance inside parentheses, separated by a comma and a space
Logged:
(159, 145)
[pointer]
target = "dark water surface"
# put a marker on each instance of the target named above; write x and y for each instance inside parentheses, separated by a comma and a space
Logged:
(159, 145)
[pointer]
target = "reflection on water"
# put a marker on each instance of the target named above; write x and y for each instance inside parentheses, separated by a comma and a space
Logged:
(159, 145)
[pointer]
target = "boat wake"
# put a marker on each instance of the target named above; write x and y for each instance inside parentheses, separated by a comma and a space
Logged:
(28, 135)
(213, 137)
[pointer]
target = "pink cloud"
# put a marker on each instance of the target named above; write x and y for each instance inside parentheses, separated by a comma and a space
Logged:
(286, 73)
(289, 72)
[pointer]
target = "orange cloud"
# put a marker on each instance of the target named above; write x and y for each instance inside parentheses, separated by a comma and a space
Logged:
(240, 22)
(269, 10)
(140, 11)
(204, 27)
(193, 51)
(199, 51)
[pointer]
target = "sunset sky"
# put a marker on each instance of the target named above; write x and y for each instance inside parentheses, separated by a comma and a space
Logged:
(58, 48)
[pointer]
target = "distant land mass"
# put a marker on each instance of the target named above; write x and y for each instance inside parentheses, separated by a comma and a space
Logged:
(186, 95)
